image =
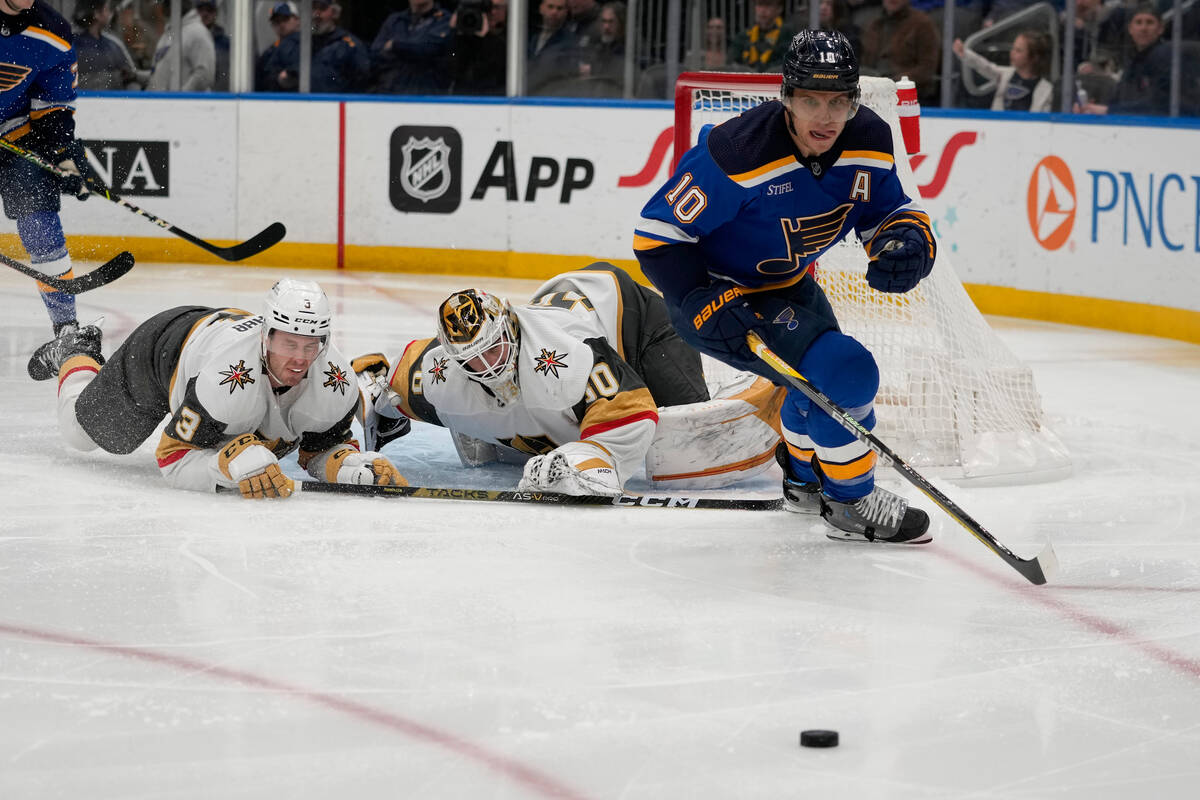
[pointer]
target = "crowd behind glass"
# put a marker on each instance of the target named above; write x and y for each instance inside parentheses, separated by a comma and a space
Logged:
(1138, 57)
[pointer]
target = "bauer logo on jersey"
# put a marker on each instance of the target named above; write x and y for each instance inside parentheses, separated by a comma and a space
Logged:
(237, 376)
(426, 169)
(335, 378)
(131, 167)
(549, 362)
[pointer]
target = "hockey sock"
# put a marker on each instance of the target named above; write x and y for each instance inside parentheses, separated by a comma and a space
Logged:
(845, 371)
(42, 234)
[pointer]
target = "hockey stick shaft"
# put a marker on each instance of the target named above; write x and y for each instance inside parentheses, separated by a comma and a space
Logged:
(1036, 570)
(102, 275)
(265, 238)
(545, 498)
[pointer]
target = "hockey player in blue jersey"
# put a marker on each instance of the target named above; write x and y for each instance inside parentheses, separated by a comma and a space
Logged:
(37, 111)
(729, 240)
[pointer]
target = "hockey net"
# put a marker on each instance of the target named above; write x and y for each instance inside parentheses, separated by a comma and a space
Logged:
(953, 399)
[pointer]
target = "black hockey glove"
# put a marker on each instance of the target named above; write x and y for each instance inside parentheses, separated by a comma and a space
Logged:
(72, 181)
(715, 320)
(900, 257)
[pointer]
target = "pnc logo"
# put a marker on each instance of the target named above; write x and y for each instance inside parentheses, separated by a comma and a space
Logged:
(1050, 202)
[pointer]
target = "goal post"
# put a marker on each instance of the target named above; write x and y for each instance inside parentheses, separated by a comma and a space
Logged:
(953, 399)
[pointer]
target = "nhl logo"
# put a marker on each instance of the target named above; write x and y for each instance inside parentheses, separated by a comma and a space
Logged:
(425, 166)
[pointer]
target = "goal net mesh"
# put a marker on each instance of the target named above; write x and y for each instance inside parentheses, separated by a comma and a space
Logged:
(953, 399)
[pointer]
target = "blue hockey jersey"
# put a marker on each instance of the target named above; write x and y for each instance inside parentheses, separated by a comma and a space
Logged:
(745, 206)
(37, 79)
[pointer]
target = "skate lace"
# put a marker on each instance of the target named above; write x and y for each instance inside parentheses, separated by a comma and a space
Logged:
(883, 509)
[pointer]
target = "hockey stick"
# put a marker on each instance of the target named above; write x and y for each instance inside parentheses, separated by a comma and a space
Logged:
(545, 498)
(1036, 570)
(268, 237)
(104, 274)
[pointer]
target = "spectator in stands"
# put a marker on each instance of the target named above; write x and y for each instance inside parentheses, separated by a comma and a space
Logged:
(1145, 84)
(583, 20)
(341, 63)
(835, 16)
(480, 55)
(104, 63)
(1099, 36)
(412, 52)
(553, 52)
(1025, 84)
(762, 46)
(714, 55)
(903, 42)
(137, 34)
(604, 58)
(278, 68)
(207, 9)
(199, 56)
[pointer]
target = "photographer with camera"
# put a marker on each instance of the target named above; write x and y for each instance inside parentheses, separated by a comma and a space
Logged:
(480, 31)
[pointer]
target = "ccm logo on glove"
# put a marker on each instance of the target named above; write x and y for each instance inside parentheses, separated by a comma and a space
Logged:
(255, 469)
(715, 305)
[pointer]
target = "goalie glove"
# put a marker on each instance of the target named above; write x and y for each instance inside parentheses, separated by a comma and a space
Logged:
(254, 468)
(575, 468)
(901, 256)
(381, 422)
(347, 465)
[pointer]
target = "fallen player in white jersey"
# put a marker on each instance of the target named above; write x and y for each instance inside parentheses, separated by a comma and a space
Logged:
(583, 384)
(241, 390)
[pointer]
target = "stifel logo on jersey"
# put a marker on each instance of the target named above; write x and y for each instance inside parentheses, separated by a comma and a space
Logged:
(336, 378)
(1050, 202)
(237, 376)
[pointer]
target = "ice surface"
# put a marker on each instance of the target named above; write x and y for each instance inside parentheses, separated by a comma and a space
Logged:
(162, 644)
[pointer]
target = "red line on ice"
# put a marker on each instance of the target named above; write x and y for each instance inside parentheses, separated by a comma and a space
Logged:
(543, 785)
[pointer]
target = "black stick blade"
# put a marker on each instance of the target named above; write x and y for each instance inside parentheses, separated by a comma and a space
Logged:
(264, 239)
(105, 274)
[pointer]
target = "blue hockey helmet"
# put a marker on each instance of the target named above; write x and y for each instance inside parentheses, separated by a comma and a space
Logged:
(820, 61)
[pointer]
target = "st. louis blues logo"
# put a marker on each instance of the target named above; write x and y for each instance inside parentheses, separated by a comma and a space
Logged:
(549, 363)
(787, 317)
(335, 378)
(237, 376)
(438, 370)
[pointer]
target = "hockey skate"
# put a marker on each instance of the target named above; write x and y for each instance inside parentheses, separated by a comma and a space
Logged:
(881, 516)
(69, 340)
(800, 497)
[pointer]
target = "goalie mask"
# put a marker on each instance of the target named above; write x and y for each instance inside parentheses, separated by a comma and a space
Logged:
(480, 332)
(299, 308)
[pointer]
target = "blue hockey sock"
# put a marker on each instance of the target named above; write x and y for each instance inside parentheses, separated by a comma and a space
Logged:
(42, 235)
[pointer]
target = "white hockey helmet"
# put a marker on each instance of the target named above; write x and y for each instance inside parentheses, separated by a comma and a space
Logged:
(299, 307)
(480, 332)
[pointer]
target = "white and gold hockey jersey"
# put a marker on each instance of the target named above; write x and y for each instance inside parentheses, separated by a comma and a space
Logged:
(575, 382)
(218, 390)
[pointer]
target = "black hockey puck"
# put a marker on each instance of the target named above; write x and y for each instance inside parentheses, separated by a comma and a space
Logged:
(818, 738)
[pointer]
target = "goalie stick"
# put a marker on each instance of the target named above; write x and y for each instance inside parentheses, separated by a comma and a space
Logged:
(544, 498)
(1036, 570)
(267, 237)
(104, 274)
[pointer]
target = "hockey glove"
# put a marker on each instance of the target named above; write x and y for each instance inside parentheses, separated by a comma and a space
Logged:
(715, 320)
(900, 257)
(347, 465)
(72, 182)
(575, 468)
(381, 421)
(254, 468)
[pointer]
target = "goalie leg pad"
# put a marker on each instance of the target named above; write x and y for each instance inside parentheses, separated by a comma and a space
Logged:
(719, 442)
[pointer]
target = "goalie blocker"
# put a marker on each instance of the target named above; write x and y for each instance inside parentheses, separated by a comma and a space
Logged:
(582, 385)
